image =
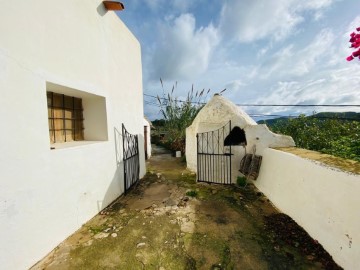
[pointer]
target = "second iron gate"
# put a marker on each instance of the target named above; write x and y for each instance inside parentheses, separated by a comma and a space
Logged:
(213, 157)
(130, 158)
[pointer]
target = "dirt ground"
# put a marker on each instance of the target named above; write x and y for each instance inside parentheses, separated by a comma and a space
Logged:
(168, 221)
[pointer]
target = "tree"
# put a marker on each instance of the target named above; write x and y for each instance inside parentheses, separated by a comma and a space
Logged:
(330, 136)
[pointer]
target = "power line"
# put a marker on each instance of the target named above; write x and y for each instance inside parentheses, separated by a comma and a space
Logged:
(271, 115)
(299, 105)
(270, 105)
(178, 100)
(151, 104)
(258, 115)
(309, 116)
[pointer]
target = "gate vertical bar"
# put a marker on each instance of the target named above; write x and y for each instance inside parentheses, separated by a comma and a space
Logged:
(198, 157)
(230, 154)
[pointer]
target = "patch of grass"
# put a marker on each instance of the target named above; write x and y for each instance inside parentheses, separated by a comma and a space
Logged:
(97, 229)
(215, 247)
(190, 263)
(226, 257)
(116, 206)
(230, 200)
(186, 180)
(192, 193)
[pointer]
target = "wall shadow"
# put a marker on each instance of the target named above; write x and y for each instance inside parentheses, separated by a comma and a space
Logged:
(116, 187)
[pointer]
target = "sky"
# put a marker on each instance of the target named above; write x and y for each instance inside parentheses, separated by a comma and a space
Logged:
(260, 51)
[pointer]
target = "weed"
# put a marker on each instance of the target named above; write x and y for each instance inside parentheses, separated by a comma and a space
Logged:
(192, 193)
(241, 181)
(97, 229)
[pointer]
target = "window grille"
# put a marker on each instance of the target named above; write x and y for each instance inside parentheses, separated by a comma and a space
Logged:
(65, 116)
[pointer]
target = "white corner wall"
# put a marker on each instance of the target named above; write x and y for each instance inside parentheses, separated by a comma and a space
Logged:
(45, 195)
(147, 124)
(323, 200)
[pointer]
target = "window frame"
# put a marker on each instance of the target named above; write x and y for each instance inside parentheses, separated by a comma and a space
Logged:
(70, 118)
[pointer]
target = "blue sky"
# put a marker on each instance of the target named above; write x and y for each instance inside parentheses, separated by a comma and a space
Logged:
(262, 52)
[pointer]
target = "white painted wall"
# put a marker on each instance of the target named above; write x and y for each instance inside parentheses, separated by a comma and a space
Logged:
(323, 200)
(45, 195)
(218, 112)
(148, 125)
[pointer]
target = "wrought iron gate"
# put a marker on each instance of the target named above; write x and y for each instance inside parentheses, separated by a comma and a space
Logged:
(213, 157)
(130, 158)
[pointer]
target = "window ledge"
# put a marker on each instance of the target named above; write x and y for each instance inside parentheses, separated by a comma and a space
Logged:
(55, 146)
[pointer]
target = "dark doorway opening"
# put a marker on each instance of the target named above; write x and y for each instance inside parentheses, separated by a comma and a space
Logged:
(235, 137)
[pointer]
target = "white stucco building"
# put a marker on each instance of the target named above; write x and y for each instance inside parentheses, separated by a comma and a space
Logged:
(70, 76)
(216, 114)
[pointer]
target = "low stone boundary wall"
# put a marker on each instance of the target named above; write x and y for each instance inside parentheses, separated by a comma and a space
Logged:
(324, 200)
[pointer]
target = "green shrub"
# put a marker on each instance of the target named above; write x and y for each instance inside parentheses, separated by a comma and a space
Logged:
(192, 193)
(330, 136)
(241, 181)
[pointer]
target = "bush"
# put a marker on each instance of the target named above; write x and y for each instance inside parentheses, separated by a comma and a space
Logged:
(192, 193)
(241, 181)
(330, 136)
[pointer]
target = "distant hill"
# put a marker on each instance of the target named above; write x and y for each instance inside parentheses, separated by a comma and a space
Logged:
(322, 115)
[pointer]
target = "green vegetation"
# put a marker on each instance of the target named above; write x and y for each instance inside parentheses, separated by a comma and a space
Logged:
(178, 114)
(241, 181)
(192, 193)
(334, 136)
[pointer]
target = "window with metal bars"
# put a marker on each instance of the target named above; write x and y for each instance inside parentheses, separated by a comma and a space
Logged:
(65, 114)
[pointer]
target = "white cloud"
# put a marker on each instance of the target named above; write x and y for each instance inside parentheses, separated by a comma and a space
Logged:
(174, 6)
(182, 5)
(275, 63)
(251, 20)
(291, 61)
(234, 86)
(336, 86)
(352, 26)
(154, 4)
(313, 4)
(316, 54)
(183, 52)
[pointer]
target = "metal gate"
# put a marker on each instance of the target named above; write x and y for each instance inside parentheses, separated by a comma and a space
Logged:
(130, 158)
(213, 157)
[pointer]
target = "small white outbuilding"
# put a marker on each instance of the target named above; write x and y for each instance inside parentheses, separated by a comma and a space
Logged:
(220, 136)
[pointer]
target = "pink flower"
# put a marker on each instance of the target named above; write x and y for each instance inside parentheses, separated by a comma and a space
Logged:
(355, 44)
(356, 53)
